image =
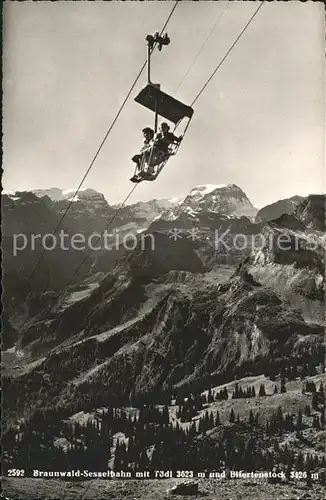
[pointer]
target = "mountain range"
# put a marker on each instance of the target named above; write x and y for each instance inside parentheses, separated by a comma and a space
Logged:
(210, 248)
(39, 212)
(198, 292)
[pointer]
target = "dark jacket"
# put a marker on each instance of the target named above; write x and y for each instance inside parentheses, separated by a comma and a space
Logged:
(169, 137)
(163, 141)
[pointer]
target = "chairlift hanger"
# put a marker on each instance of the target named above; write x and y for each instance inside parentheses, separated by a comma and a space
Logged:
(161, 103)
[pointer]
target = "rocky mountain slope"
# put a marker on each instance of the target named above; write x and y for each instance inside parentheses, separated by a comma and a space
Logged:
(280, 207)
(85, 194)
(208, 300)
(89, 202)
(312, 212)
(26, 214)
(29, 216)
(28, 222)
(227, 198)
(158, 321)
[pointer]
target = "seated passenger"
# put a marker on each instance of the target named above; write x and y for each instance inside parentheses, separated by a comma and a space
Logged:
(164, 138)
(148, 134)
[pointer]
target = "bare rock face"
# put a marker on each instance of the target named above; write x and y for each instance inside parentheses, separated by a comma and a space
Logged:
(277, 209)
(24, 212)
(9, 333)
(311, 212)
(27, 222)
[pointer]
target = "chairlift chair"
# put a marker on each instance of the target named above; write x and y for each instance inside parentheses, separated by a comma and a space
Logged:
(153, 98)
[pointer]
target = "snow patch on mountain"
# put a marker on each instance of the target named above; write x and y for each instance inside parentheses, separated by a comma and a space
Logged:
(55, 194)
(189, 211)
(84, 193)
(66, 192)
(224, 198)
(58, 194)
(176, 200)
(205, 189)
(158, 217)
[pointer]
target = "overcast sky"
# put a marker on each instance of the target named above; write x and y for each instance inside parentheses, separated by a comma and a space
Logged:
(259, 124)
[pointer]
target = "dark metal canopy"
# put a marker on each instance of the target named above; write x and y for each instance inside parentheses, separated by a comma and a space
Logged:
(168, 107)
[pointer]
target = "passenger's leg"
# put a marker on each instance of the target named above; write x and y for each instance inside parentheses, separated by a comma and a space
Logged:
(152, 161)
(136, 159)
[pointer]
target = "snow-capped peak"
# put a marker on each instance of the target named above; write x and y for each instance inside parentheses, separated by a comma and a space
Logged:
(223, 198)
(205, 189)
(83, 193)
(176, 200)
(69, 192)
(57, 194)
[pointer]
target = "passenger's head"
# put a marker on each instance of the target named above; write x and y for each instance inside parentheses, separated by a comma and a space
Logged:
(148, 133)
(164, 127)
